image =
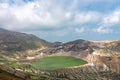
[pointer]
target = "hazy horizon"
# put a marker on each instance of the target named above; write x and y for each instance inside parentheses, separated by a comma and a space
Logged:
(64, 20)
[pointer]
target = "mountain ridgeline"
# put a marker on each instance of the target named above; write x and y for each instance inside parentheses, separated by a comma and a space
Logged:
(85, 46)
(16, 41)
(102, 59)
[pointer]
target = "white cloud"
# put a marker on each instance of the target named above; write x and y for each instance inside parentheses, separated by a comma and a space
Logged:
(34, 15)
(113, 18)
(43, 14)
(80, 30)
(87, 17)
(109, 22)
(103, 30)
(54, 14)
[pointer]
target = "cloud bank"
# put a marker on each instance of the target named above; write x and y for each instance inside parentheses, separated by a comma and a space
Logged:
(60, 17)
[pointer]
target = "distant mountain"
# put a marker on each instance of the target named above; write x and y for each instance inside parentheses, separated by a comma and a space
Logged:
(111, 45)
(16, 41)
(83, 49)
(74, 46)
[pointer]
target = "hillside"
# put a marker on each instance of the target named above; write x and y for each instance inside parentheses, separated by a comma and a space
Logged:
(103, 58)
(16, 41)
(8, 73)
(82, 48)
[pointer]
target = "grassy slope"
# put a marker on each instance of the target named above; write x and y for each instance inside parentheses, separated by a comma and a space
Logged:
(16, 41)
(57, 62)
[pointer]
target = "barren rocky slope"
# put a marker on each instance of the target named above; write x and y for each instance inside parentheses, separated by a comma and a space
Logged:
(82, 48)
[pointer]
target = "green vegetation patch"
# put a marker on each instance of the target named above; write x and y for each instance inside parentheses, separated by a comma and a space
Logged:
(57, 62)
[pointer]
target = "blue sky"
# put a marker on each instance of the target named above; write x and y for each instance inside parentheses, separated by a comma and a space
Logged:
(63, 20)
